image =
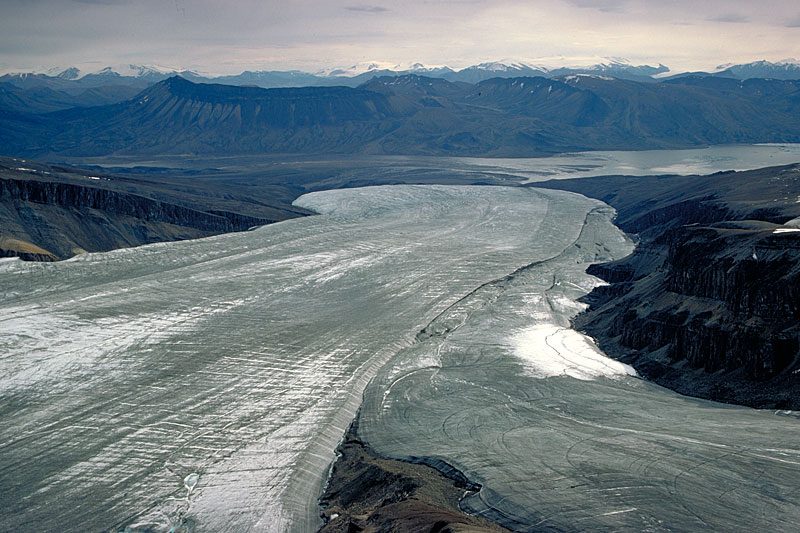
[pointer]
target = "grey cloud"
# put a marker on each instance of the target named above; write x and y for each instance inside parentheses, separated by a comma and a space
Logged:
(103, 2)
(608, 6)
(367, 9)
(729, 17)
(253, 34)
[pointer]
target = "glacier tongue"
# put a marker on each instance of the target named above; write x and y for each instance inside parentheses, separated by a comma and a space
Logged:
(561, 437)
(207, 382)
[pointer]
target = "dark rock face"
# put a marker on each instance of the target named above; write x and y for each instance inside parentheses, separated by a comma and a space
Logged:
(49, 220)
(77, 197)
(763, 285)
(711, 309)
(708, 303)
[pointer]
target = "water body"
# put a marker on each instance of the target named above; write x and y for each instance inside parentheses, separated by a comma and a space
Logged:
(333, 171)
(638, 163)
(207, 383)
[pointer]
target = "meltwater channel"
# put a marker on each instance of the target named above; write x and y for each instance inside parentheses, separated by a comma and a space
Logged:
(203, 385)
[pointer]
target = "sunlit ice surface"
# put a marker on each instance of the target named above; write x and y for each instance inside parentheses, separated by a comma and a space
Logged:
(563, 438)
(206, 383)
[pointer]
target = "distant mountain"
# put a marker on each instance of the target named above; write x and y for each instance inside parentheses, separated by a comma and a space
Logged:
(358, 74)
(546, 99)
(139, 75)
(617, 69)
(422, 88)
(785, 70)
(43, 99)
(65, 89)
(191, 117)
(71, 73)
(266, 79)
(29, 80)
(413, 114)
(142, 76)
(788, 69)
(485, 71)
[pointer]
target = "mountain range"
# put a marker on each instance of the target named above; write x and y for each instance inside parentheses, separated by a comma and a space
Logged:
(349, 77)
(413, 114)
(56, 89)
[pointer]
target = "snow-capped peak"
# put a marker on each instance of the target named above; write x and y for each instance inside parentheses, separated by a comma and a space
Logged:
(355, 70)
(419, 67)
(575, 78)
(498, 66)
(789, 62)
(373, 66)
(137, 71)
(618, 61)
(509, 65)
(71, 73)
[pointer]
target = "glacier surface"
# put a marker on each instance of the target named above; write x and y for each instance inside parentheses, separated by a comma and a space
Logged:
(205, 384)
(208, 382)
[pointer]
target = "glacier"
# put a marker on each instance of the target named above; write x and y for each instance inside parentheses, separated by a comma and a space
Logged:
(204, 385)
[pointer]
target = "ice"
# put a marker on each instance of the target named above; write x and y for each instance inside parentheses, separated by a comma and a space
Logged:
(239, 359)
(190, 482)
(550, 350)
(560, 436)
(204, 384)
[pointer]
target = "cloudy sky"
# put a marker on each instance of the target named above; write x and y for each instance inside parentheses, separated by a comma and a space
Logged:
(219, 37)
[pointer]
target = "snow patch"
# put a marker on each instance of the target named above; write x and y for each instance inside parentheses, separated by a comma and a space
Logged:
(548, 350)
(577, 77)
(373, 66)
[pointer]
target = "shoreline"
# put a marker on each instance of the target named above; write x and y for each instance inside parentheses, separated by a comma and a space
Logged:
(366, 491)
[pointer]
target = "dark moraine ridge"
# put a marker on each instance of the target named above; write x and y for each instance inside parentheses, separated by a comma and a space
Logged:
(709, 302)
(370, 493)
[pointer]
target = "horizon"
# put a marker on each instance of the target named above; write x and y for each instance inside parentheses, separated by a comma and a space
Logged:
(213, 38)
(355, 69)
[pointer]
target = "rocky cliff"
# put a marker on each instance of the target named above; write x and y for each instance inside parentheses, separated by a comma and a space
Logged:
(708, 303)
(46, 217)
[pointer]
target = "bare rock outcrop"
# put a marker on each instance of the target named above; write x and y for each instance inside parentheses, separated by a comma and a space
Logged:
(708, 303)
